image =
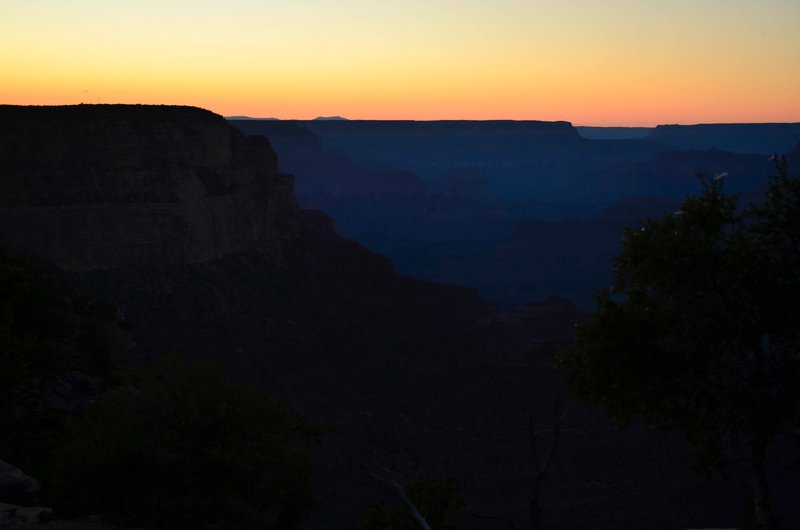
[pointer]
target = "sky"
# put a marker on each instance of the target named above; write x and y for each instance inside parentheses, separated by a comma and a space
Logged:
(590, 62)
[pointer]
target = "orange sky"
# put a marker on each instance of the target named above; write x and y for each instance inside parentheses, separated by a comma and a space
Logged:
(591, 62)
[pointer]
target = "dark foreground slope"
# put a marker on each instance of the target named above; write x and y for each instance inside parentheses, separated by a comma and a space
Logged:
(211, 256)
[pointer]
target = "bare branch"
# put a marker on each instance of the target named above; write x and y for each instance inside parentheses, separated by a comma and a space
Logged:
(557, 418)
(539, 468)
(387, 477)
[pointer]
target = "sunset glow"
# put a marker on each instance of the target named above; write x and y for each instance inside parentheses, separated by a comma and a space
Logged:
(591, 62)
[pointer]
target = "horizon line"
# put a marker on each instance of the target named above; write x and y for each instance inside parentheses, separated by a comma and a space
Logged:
(333, 117)
(615, 126)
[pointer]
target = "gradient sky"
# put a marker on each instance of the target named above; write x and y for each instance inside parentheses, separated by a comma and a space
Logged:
(592, 62)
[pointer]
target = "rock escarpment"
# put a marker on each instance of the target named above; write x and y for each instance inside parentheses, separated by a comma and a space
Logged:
(97, 187)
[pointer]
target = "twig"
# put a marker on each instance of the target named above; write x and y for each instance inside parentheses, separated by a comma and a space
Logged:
(387, 477)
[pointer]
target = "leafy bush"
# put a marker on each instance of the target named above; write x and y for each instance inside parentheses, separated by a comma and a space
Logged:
(182, 447)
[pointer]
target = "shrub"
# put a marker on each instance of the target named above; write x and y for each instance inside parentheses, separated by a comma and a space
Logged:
(182, 447)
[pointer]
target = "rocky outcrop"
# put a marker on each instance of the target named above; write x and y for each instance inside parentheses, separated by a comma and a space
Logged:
(18, 517)
(14, 484)
(97, 187)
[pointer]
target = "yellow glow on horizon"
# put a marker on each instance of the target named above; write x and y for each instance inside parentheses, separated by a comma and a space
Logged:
(592, 62)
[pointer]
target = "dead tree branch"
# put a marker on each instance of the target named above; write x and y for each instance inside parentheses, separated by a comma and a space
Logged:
(384, 475)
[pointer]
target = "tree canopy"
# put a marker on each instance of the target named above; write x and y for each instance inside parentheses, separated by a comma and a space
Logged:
(700, 332)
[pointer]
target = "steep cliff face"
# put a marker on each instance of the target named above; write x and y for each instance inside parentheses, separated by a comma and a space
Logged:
(104, 186)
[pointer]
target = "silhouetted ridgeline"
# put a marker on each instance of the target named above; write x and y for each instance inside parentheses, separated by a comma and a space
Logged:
(613, 133)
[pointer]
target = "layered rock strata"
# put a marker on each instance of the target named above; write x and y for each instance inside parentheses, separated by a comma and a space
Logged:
(98, 187)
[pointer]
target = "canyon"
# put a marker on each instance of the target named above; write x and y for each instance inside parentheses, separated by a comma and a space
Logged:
(193, 230)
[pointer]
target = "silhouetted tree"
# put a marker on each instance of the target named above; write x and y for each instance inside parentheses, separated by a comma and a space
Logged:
(700, 333)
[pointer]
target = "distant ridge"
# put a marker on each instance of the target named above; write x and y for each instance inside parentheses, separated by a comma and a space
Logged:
(614, 133)
(760, 138)
(330, 118)
(249, 118)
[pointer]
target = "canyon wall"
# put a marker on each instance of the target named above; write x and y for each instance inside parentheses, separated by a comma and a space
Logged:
(105, 186)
